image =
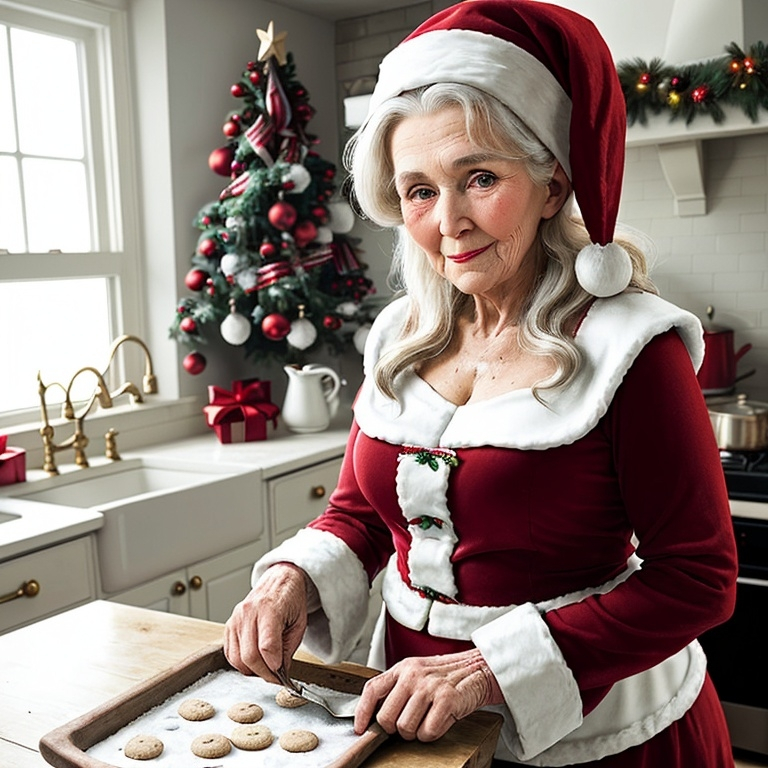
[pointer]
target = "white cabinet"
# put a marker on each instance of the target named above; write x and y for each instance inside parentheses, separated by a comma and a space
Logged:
(45, 582)
(208, 590)
(295, 498)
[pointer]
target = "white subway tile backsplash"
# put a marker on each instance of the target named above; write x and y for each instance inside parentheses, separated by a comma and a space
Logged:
(714, 225)
(741, 243)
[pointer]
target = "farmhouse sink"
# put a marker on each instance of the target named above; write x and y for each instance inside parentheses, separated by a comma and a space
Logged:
(158, 514)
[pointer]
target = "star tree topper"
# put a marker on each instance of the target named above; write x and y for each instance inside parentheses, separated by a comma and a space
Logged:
(271, 44)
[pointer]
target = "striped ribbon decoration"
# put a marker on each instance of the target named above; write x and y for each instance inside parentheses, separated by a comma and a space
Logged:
(271, 273)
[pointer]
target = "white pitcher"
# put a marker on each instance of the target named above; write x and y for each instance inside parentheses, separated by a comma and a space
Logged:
(311, 399)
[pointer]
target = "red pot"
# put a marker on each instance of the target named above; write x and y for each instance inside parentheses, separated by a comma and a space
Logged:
(717, 374)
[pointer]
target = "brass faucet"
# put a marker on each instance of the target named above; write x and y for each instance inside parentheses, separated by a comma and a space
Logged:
(149, 381)
(78, 441)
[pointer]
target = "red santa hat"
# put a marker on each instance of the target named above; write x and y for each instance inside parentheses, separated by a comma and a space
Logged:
(552, 68)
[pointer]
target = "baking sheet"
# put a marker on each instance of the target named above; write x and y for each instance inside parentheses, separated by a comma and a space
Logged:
(97, 739)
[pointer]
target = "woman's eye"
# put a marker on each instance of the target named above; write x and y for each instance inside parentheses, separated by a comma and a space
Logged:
(420, 193)
(484, 180)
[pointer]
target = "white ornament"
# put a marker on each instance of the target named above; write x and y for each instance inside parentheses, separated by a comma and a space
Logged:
(247, 280)
(228, 264)
(235, 328)
(341, 217)
(603, 270)
(324, 235)
(360, 337)
(300, 177)
(302, 334)
(347, 309)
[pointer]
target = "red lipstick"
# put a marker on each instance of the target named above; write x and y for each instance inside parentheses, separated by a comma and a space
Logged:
(460, 258)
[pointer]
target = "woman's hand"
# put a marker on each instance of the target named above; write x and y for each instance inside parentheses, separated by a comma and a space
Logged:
(266, 628)
(422, 697)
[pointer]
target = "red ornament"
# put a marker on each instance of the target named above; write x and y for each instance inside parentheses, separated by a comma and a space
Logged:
(207, 247)
(320, 213)
(220, 160)
(267, 250)
(332, 322)
(195, 279)
(330, 173)
(282, 215)
(276, 326)
(304, 233)
(188, 325)
(304, 112)
(255, 77)
(237, 90)
(194, 363)
(231, 128)
(699, 94)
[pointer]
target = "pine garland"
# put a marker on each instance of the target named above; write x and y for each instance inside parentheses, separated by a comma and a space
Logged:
(685, 92)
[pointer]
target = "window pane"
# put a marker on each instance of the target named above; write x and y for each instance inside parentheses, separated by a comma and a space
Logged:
(70, 334)
(7, 134)
(47, 86)
(56, 198)
(11, 225)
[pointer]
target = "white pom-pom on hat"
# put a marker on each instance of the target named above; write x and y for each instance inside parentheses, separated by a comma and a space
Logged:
(603, 270)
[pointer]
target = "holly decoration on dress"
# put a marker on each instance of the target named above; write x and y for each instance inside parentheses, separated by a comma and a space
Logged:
(738, 79)
(273, 262)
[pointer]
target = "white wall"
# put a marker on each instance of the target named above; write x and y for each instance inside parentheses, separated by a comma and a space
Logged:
(718, 259)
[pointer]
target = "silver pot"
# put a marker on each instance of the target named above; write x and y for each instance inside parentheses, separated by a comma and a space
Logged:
(740, 424)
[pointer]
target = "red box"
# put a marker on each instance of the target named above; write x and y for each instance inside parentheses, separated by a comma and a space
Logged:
(13, 463)
(241, 415)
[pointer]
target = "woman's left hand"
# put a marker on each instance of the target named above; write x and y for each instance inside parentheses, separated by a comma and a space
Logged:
(422, 697)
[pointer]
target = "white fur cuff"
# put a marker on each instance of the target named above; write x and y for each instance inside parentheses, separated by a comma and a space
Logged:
(539, 688)
(341, 583)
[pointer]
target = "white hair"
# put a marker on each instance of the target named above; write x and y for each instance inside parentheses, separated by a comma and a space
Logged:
(546, 325)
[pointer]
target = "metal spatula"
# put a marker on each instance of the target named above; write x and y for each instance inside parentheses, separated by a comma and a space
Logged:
(337, 703)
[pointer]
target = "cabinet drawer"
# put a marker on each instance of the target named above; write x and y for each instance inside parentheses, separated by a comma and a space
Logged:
(64, 574)
(299, 497)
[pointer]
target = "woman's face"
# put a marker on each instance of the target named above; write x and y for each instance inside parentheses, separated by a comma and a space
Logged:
(474, 213)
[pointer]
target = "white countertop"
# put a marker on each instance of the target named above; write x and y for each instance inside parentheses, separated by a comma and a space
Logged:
(27, 525)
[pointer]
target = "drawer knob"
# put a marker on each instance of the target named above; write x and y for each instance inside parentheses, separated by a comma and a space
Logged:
(29, 588)
(179, 588)
(318, 491)
(196, 582)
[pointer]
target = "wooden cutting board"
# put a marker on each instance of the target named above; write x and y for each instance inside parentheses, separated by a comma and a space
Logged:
(66, 747)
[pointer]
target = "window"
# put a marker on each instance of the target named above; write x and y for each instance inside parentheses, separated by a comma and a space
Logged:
(68, 234)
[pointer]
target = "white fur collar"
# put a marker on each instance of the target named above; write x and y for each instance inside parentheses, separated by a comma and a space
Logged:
(611, 336)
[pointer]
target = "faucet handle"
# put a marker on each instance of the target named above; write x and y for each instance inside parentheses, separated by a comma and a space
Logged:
(111, 451)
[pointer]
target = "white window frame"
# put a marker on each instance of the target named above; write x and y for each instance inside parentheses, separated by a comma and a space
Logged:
(102, 25)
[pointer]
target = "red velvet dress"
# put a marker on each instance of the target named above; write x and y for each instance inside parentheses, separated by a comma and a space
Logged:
(530, 524)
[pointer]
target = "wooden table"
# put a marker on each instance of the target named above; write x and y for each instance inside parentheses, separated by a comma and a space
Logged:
(60, 668)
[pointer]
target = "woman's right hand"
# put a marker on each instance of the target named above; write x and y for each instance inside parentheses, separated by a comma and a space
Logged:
(266, 628)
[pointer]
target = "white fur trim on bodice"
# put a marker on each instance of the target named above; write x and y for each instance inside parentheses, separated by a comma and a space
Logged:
(610, 337)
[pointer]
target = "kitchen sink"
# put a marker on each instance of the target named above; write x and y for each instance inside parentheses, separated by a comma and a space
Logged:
(158, 514)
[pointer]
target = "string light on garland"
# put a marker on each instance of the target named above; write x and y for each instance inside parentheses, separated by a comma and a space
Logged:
(739, 79)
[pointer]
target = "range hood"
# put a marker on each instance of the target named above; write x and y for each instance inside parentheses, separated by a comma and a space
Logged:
(681, 153)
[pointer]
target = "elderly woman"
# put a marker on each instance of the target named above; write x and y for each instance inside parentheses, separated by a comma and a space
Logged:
(531, 458)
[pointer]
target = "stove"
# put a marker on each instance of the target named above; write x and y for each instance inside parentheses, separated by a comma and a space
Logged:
(736, 650)
(746, 475)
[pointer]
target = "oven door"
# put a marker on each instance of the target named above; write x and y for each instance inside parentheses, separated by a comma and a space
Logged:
(737, 651)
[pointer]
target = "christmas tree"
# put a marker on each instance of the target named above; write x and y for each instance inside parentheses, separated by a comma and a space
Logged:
(274, 270)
